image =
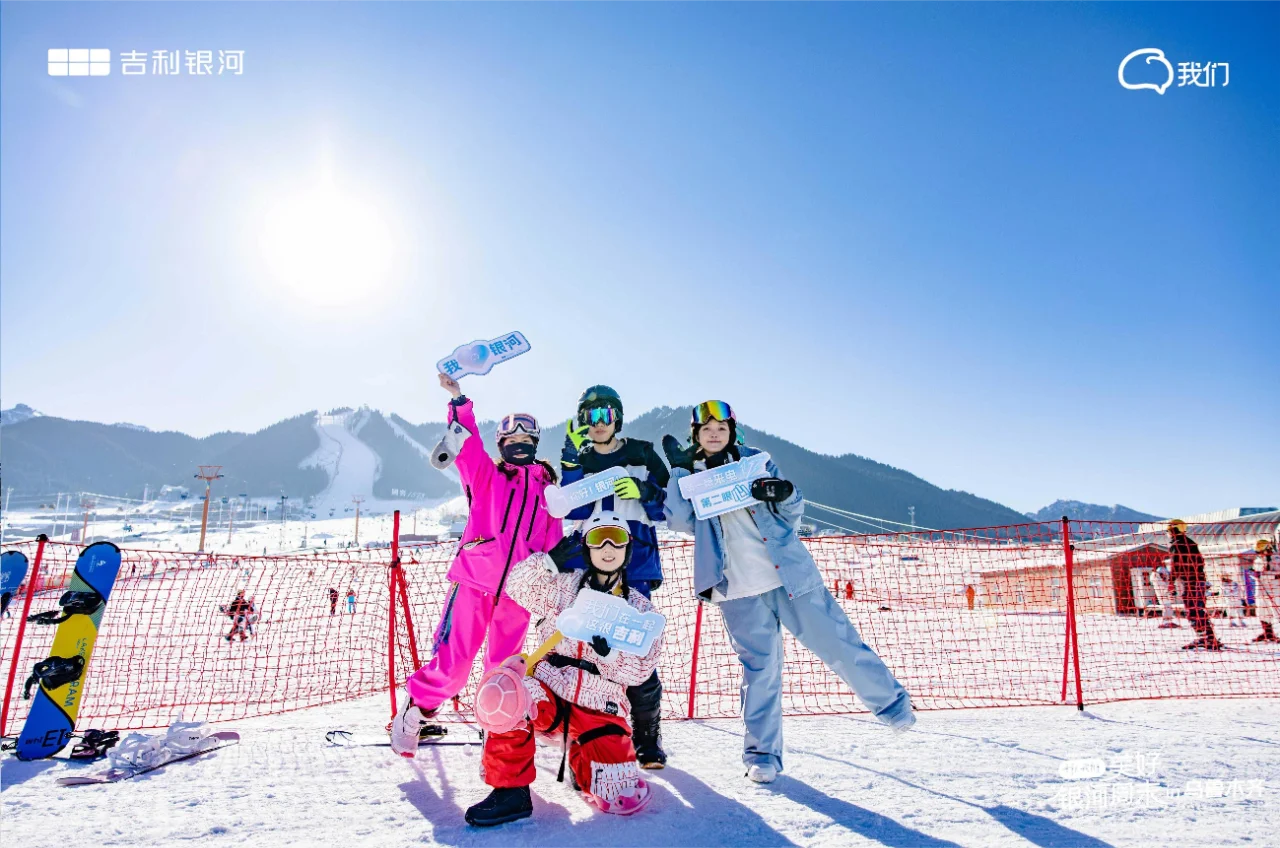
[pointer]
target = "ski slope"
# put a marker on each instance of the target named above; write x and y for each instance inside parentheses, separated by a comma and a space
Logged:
(963, 777)
(351, 464)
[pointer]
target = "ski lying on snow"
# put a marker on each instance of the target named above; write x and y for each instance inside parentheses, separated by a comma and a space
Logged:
(226, 738)
(357, 739)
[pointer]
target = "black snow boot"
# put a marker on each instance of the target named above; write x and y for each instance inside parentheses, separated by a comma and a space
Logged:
(502, 806)
(1268, 634)
(646, 723)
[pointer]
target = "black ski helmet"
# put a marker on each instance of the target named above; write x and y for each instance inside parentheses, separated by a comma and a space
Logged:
(598, 396)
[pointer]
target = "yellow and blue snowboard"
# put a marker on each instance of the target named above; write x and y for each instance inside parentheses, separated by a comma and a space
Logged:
(61, 676)
(13, 570)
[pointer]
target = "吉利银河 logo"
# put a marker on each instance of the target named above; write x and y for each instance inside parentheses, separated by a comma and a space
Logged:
(96, 62)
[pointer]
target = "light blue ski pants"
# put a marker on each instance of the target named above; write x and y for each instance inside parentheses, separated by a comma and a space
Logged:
(818, 622)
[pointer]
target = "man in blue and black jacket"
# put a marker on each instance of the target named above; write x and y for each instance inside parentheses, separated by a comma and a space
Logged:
(591, 446)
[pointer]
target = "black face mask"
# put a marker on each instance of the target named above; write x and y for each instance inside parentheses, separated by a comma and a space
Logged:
(519, 453)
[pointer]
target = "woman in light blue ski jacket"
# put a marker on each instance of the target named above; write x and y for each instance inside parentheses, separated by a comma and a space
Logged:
(754, 567)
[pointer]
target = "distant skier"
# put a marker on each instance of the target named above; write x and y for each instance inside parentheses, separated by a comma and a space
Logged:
(1187, 567)
(1162, 583)
(970, 595)
(351, 601)
(333, 600)
(238, 611)
(1231, 595)
(754, 567)
(508, 522)
(1266, 568)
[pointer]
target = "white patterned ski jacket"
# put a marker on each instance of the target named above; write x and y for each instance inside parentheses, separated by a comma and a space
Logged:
(545, 595)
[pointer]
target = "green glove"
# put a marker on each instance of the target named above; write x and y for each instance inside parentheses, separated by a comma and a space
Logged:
(627, 488)
(577, 436)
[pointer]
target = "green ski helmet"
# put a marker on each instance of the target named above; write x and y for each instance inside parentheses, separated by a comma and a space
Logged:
(597, 397)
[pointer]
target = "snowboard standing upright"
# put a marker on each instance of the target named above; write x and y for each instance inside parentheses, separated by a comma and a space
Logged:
(61, 676)
(13, 570)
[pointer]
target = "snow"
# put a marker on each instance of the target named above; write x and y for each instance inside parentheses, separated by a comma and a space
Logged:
(988, 777)
(352, 465)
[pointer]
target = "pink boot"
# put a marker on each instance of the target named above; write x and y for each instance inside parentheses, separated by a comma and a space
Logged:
(631, 801)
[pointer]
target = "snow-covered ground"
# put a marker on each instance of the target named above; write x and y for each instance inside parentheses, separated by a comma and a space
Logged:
(1187, 772)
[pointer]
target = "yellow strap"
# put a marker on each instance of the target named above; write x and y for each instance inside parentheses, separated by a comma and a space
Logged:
(530, 660)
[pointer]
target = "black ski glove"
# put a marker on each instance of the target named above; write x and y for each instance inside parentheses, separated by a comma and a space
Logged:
(771, 489)
(565, 550)
(724, 457)
(601, 645)
(677, 455)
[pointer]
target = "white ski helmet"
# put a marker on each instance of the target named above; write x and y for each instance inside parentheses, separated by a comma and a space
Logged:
(612, 527)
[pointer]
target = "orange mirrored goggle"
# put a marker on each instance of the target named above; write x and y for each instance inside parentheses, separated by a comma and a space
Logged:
(598, 537)
(710, 410)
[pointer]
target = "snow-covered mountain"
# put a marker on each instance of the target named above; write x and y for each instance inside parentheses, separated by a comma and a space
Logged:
(328, 459)
(17, 415)
(1080, 511)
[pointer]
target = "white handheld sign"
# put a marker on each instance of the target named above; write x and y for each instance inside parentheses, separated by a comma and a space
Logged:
(719, 490)
(562, 500)
(623, 626)
(479, 357)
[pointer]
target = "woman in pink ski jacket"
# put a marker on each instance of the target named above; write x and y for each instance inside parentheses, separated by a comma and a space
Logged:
(508, 521)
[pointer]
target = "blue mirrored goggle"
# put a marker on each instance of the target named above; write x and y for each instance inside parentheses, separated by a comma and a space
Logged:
(598, 415)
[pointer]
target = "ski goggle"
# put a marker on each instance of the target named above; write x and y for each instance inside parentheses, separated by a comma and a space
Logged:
(598, 537)
(518, 422)
(598, 415)
(709, 410)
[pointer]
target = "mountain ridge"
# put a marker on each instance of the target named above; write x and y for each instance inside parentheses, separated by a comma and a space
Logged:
(45, 454)
(1081, 511)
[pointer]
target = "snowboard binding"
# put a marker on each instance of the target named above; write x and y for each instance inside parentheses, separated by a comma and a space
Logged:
(72, 603)
(54, 672)
(93, 744)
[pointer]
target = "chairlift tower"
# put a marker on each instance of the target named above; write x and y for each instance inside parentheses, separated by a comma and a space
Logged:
(284, 521)
(208, 473)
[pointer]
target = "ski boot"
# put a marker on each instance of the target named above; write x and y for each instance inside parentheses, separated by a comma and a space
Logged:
(54, 672)
(646, 723)
(502, 806)
(1268, 634)
(72, 603)
(648, 741)
(407, 726)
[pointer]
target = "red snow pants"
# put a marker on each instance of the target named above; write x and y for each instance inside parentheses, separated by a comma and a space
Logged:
(600, 751)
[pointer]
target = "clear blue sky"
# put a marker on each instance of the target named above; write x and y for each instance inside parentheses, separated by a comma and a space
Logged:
(941, 236)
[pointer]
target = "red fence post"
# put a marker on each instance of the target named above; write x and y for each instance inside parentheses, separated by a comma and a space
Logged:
(408, 619)
(693, 668)
(1072, 642)
(391, 611)
(22, 629)
(404, 593)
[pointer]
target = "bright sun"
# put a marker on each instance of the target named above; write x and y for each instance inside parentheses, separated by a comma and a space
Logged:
(328, 246)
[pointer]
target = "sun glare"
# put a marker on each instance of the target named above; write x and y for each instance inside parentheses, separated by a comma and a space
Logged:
(327, 246)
